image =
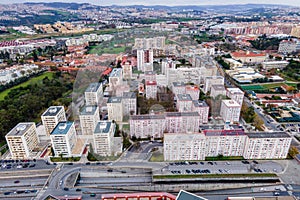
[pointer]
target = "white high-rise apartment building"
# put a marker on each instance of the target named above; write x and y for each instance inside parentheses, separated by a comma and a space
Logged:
(184, 103)
(140, 59)
(212, 80)
(151, 89)
(89, 116)
(143, 126)
(182, 122)
(129, 101)
(193, 91)
(115, 78)
(178, 88)
(267, 145)
(52, 116)
(184, 146)
(150, 43)
(94, 94)
(103, 138)
(203, 110)
(217, 90)
(127, 71)
(230, 111)
(22, 140)
(63, 138)
(225, 142)
(150, 76)
(115, 109)
(235, 94)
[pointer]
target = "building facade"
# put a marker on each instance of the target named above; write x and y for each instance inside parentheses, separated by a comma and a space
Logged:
(103, 138)
(235, 94)
(63, 138)
(151, 89)
(22, 140)
(230, 111)
(52, 116)
(115, 109)
(93, 94)
(89, 116)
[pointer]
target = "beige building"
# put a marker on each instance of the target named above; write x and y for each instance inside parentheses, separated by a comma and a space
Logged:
(178, 88)
(22, 140)
(63, 139)
(52, 116)
(143, 126)
(127, 71)
(184, 103)
(203, 110)
(184, 146)
(89, 116)
(235, 94)
(103, 138)
(267, 145)
(217, 90)
(212, 80)
(93, 94)
(115, 109)
(182, 122)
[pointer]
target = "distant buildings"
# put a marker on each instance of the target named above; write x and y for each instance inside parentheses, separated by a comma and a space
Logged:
(52, 116)
(89, 116)
(248, 57)
(144, 57)
(93, 94)
(150, 43)
(22, 140)
(63, 138)
(103, 138)
(127, 71)
(230, 111)
(289, 46)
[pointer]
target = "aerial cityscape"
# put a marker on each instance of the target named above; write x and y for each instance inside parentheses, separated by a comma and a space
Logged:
(161, 100)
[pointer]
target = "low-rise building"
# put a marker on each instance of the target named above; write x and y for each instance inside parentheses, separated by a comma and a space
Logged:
(52, 116)
(22, 140)
(184, 146)
(103, 138)
(89, 116)
(63, 138)
(267, 145)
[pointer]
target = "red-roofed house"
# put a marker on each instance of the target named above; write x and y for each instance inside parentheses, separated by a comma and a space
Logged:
(248, 57)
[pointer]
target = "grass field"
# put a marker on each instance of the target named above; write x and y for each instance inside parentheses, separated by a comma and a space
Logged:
(33, 80)
(192, 176)
(157, 157)
(252, 87)
(266, 86)
(99, 50)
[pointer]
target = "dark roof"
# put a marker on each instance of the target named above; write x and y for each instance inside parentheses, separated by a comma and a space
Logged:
(268, 135)
(114, 100)
(178, 84)
(88, 110)
(183, 195)
(62, 128)
(146, 117)
(184, 97)
(20, 129)
(93, 87)
(103, 127)
(198, 103)
(181, 114)
(129, 95)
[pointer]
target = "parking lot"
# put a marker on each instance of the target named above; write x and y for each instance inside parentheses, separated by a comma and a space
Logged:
(23, 164)
(223, 167)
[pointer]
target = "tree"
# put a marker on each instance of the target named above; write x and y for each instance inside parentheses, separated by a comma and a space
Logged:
(293, 151)
(257, 122)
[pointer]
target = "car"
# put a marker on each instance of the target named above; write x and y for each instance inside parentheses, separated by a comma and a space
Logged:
(88, 163)
(92, 195)
(6, 193)
(32, 165)
(188, 171)
(16, 181)
(255, 162)
(201, 163)
(70, 163)
(245, 162)
(109, 170)
(123, 172)
(78, 190)
(66, 189)
(33, 191)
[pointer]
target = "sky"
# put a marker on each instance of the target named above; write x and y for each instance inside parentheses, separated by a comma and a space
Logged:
(164, 2)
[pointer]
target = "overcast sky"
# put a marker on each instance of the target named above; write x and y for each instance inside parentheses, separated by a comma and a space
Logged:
(164, 2)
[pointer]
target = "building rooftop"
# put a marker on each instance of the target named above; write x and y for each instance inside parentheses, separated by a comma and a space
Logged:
(178, 84)
(192, 87)
(146, 117)
(182, 114)
(114, 100)
(150, 73)
(268, 135)
(184, 97)
(62, 128)
(103, 127)
(151, 83)
(52, 111)
(218, 87)
(230, 103)
(198, 103)
(129, 95)
(116, 72)
(235, 90)
(214, 77)
(20, 129)
(89, 110)
(183, 195)
(93, 87)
